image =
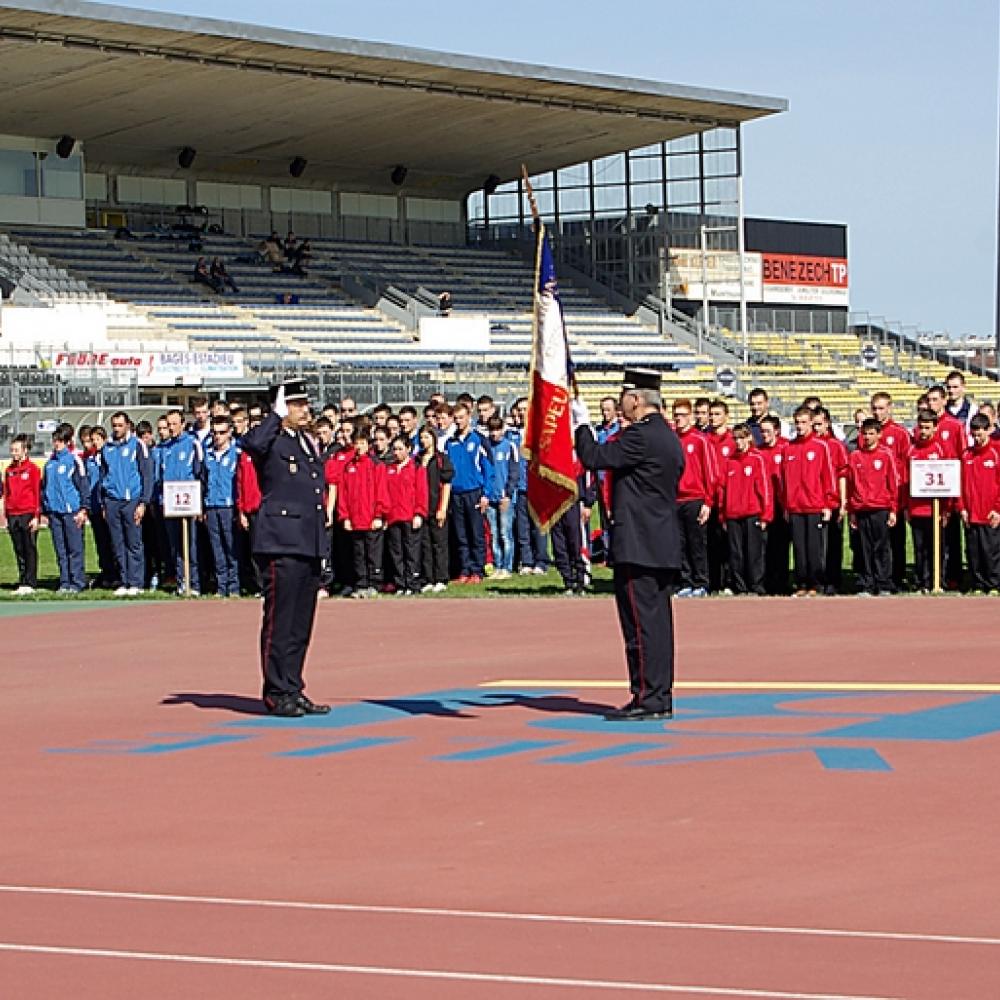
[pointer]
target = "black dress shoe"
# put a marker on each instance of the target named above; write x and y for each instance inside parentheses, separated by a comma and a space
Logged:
(310, 707)
(286, 708)
(636, 713)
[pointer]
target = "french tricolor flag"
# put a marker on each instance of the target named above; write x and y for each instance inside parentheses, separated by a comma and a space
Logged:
(548, 435)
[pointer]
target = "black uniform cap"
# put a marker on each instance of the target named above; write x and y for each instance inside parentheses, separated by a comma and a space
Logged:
(295, 389)
(641, 378)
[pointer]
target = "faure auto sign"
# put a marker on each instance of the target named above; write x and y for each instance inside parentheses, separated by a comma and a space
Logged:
(154, 367)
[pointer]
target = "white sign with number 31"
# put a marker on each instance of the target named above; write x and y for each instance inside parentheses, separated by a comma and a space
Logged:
(935, 478)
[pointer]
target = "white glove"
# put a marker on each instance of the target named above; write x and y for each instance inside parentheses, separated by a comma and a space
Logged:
(280, 406)
(579, 415)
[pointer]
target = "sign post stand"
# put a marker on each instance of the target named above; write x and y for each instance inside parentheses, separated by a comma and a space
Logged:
(936, 479)
(182, 498)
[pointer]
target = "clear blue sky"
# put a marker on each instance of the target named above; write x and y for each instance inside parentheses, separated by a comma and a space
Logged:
(892, 126)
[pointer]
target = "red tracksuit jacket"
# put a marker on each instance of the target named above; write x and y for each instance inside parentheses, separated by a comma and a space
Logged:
(746, 490)
(897, 439)
(248, 497)
(924, 452)
(775, 458)
(810, 480)
(872, 480)
(407, 490)
(724, 446)
(952, 435)
(22, 489)
(980, 483)
(699, 480)
(363, 495)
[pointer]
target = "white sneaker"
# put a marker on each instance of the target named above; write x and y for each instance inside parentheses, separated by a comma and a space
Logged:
(322, 594)
(134, 591)
(538, 571)
(121, 592)
(426, 588)
(526, 571)
(502, 574)
(440, 588)
(24, 591)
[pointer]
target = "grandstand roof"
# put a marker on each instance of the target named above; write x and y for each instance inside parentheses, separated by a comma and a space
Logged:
(136, 86)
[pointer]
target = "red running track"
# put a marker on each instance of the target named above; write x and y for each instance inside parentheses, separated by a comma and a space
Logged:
(192, 851)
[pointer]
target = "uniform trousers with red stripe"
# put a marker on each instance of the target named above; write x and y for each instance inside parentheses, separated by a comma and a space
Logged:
(642, 596)
(290, 585)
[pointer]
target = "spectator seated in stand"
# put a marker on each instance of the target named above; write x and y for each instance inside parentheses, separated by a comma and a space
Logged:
(302, 256)
(202, 276)
(222, 278)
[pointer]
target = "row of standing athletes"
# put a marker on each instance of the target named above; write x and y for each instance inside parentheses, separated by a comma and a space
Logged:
(414, 519)
(748, 496)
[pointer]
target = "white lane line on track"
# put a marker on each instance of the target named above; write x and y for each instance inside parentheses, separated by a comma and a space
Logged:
(439, 974)
(538, 918)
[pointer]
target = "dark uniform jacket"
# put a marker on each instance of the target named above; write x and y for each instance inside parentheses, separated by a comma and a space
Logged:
(291, 517)
(646, 462)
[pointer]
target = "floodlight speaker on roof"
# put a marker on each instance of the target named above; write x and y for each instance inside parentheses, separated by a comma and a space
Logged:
(491, 184)
(297, 167)
(398, 175)
(64, 147)
(186, 157)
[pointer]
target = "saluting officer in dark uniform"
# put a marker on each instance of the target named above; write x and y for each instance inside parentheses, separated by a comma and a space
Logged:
(289, 540)
(645, 462)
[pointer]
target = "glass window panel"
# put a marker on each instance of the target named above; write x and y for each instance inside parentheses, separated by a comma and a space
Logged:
(610, 169)
(609, 199)
(645, 168)
(648, 150)
(646, 194)
(541, 182)
(575, 175)
(476, 206)
(720, 163)
(576, 200)
(683, 167)
(683, 193)
(17, 173)
(720, 138)
(62, 178)
(719, 191)
(503, 206)
(685, 144)
(546, 203)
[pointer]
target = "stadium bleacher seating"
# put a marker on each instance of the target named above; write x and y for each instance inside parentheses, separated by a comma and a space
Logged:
(147, 279)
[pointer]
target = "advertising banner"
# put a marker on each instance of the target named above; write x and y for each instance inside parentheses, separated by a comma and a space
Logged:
(795, 279)
(154, 367)
(722, 270)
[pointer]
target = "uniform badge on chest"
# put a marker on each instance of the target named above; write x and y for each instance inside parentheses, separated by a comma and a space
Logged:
(293, 465)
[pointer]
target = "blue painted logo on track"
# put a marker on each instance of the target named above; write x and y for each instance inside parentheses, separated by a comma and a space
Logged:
(840, 731)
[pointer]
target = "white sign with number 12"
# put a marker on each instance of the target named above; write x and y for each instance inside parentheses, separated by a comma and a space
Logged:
(182, 498)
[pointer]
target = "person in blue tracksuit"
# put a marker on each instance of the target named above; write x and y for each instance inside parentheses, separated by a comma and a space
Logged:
(532, 544)
(470, 458)
(65, 497)
(218, 474)
(501, 492)
(180, 460)
(127, 478)
(108, 568)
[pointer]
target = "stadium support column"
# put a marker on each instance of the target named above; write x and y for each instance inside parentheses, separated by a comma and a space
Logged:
(741, 244)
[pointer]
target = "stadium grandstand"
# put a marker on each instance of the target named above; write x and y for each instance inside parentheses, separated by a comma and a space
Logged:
(135, 146)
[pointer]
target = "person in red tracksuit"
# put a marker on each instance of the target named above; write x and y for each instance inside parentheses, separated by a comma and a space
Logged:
(696, 493)
(920, 510)
(873, 507)
(979, 506)
(811, 496)
(362, 505)
(746, 510)
(406, 484)
(896, 438)
(248, 499)
(952, 435)
(720, 439)
(22, 502)
(341, 546)
(778, 539)
(834, 572)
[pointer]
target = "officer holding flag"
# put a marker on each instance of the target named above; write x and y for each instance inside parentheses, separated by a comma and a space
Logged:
(645, 463)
